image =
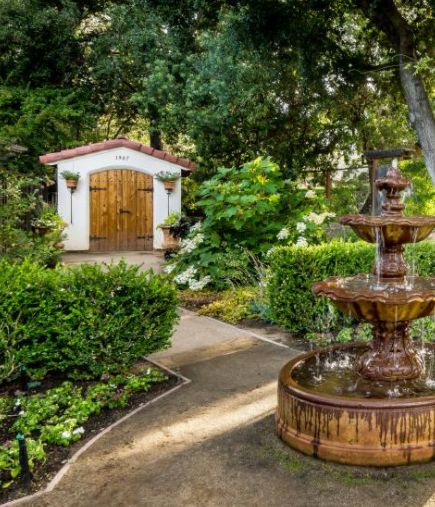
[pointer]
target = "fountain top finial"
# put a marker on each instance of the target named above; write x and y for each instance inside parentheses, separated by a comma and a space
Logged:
(394, 183)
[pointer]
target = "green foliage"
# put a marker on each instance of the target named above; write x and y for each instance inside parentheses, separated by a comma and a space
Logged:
(49, 218)
(56, 416)
(172, 219)
(167, 176)
(246, 209)
(246, 205)
(19, 201)
(232, 305)
(82, 321)
(422, 199)
(189, 190)
(70, 175)
(294, 270)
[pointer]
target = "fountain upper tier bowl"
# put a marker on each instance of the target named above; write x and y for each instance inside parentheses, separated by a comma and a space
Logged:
(363, 297)
(394, 229)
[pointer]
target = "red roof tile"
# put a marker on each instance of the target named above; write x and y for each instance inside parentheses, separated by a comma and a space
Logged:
(51, 158)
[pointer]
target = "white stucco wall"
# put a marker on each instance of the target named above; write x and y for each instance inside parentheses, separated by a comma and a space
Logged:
(116, 158)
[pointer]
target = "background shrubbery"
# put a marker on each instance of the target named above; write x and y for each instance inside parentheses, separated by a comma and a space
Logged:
(294, 270)
(82, 321)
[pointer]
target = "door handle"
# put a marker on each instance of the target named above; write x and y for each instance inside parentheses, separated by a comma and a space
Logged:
(121, 211)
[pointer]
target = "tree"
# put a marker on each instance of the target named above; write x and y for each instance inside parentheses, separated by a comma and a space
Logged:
(413, 44)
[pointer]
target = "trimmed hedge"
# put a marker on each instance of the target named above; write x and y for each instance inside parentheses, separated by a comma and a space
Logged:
(83, 321)
(293, 271)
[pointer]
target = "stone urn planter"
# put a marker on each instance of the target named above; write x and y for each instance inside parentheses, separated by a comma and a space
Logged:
(42, 230)
(169, 242)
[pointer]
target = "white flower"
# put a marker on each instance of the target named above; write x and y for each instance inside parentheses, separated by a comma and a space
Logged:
(301, 226)
(18, 402)
(78, 431)
(301, 241)
(310, 194)
(169, 268)
(66, 434)
(186, 276)
(269, 252)
(283, 234)
(315, 218)
(199, 284)
(195, 227)
(21, 412)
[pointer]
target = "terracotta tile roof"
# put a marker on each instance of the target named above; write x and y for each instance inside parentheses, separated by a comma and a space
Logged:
(51, 158)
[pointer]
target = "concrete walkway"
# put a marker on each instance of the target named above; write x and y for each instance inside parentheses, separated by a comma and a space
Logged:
(212, 443)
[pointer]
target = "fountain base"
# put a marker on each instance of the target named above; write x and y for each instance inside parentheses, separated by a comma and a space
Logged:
(392, 356)
(350, 429)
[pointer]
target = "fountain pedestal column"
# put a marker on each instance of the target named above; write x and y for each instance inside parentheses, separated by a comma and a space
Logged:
(392, 355)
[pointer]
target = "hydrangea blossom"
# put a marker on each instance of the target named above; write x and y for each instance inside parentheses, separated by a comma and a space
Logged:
(78, 431)
(189, 244)
(66, 434)
(301, 226)
(184, 277)
(301, 241)
(310, 194)
(283, 234)
(169, 268)
(199, 284)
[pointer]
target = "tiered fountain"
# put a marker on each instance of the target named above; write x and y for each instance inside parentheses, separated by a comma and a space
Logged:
(369, 404)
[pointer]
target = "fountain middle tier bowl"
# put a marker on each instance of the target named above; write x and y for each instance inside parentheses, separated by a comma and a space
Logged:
(364, 297)
(326, 410)
(392, 230)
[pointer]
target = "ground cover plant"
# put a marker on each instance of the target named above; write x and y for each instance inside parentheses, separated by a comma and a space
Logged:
(51, 419)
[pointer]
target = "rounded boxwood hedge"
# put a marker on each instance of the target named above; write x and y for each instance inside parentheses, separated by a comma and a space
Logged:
(82, 321)
(293, 271)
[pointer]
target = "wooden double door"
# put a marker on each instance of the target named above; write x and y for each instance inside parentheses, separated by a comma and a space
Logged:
(121, 211)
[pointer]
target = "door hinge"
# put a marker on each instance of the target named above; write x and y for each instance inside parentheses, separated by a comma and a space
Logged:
(97, 237)
(94, 189)
(144, 237)
(145, 189)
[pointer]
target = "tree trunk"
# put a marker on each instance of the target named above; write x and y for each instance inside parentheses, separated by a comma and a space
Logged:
(154, 131)
(420, 113)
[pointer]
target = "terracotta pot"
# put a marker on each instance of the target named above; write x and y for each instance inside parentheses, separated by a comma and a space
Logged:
(169, 242)
(71, 184)
(169, 185)
(42, 230)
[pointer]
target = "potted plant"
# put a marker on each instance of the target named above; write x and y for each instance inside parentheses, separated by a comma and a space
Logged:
(48, 221)
(168, 178)
(71, 178)
(170, 242)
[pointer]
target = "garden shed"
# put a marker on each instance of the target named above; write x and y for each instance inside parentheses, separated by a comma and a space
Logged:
(118, 202)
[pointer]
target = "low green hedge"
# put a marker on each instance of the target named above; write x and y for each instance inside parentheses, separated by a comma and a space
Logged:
(293, 271)
(83, 321)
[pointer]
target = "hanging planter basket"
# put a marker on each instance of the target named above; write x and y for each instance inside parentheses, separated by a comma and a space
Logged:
(71, 184)
(169, 185)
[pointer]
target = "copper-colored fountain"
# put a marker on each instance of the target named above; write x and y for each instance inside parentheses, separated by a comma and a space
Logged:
(369, 404)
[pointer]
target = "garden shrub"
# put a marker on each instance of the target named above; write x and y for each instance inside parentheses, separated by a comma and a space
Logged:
(233, 305)
(246, 209)
(82, 321)
(293, 271)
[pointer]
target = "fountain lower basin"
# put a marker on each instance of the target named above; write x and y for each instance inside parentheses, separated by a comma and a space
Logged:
(356, 428)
